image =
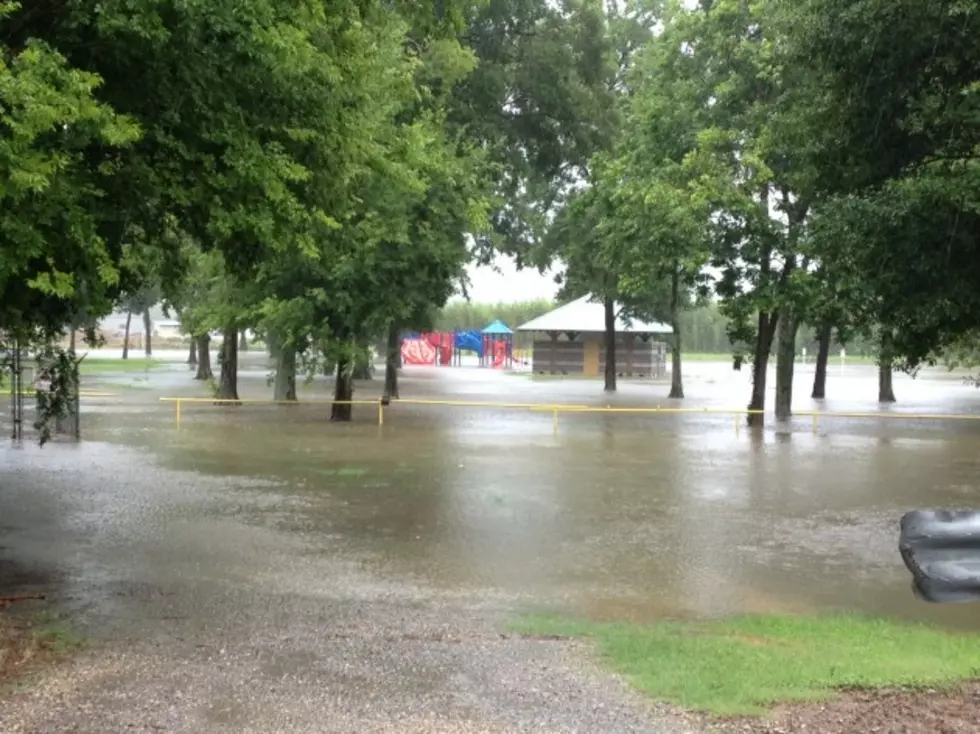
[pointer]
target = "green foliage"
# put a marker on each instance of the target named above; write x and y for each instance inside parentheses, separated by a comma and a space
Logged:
(402, 247)
(54, 261)
(655, 229)
(897, 122)
(57, 400)
(540, 103)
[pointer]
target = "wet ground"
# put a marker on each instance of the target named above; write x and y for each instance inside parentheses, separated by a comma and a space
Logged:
(260, 569)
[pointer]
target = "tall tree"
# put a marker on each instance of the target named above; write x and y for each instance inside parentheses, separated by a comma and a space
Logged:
(658, 221)
(575, 237)
(749, 172)
(894, 92)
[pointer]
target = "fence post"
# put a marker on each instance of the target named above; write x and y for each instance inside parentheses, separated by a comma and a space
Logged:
(177, 402)
(381, 412)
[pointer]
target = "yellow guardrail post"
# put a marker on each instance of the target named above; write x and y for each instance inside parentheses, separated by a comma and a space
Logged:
(381, 411)
(177, 402)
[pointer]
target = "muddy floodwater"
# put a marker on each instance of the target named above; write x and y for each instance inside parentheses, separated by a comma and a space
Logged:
(612, 515)
(259, 569)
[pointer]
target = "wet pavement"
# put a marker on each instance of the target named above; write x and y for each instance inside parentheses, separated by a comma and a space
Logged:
(260, 569)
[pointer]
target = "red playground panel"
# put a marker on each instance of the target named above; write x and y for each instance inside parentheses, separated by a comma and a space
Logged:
(418, 351)
(500, 351)
(443, 342)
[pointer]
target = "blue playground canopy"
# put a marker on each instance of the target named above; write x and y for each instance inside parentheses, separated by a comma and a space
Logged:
(498, 327)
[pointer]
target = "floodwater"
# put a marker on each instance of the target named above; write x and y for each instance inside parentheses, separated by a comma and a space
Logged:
(613, 515)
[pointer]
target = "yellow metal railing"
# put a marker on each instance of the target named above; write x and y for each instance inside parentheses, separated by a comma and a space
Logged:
(737, 414)
(178, 402)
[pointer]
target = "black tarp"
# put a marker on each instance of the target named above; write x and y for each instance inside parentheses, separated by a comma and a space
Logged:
(942, 550)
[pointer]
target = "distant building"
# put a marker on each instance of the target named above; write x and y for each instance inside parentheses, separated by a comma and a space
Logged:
(167, 329)
(571, 341)
(162, 326)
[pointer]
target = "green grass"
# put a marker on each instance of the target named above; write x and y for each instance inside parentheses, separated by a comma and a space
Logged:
(102, 365)
(52, 633)
(742, 666)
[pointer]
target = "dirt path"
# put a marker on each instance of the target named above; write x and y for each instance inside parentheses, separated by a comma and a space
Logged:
(209, 609)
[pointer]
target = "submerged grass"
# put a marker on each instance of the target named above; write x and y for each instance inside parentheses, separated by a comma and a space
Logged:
(98, 365)
(834, 358)
(746, 664)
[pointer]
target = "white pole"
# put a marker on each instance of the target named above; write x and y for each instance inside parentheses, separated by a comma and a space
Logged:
(842, 355)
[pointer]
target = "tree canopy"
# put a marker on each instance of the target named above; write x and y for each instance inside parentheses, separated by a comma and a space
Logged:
(323, 174)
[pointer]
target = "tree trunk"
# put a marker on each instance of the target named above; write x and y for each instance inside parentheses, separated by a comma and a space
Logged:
(823, 355)
(363, 366)
(886, 392)
(285, 385)
(192, 353)
(760, 365)
(392, 362)
(343, 391)
(610, 312)
(273, 344)
(129, 318)
(203, 344)
(676, 380)
(242, 342)
(785, 364)
(228, 385)
(147, 336)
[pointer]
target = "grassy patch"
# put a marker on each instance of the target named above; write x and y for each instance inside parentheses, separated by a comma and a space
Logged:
(746, 664)
(27, 641)
(53, 634)
(102, 365)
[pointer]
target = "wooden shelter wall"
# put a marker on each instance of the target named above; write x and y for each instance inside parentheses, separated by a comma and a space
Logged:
(634, 357)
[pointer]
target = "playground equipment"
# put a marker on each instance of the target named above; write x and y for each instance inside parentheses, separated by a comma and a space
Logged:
(416, 350)
(428, 348)
(498, 346)
(443, 343)
(493, 346)
(468, 341)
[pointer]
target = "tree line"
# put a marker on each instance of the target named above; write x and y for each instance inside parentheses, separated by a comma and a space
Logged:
(322, 174)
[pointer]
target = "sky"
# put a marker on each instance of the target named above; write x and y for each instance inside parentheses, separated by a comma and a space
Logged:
(510, 284)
